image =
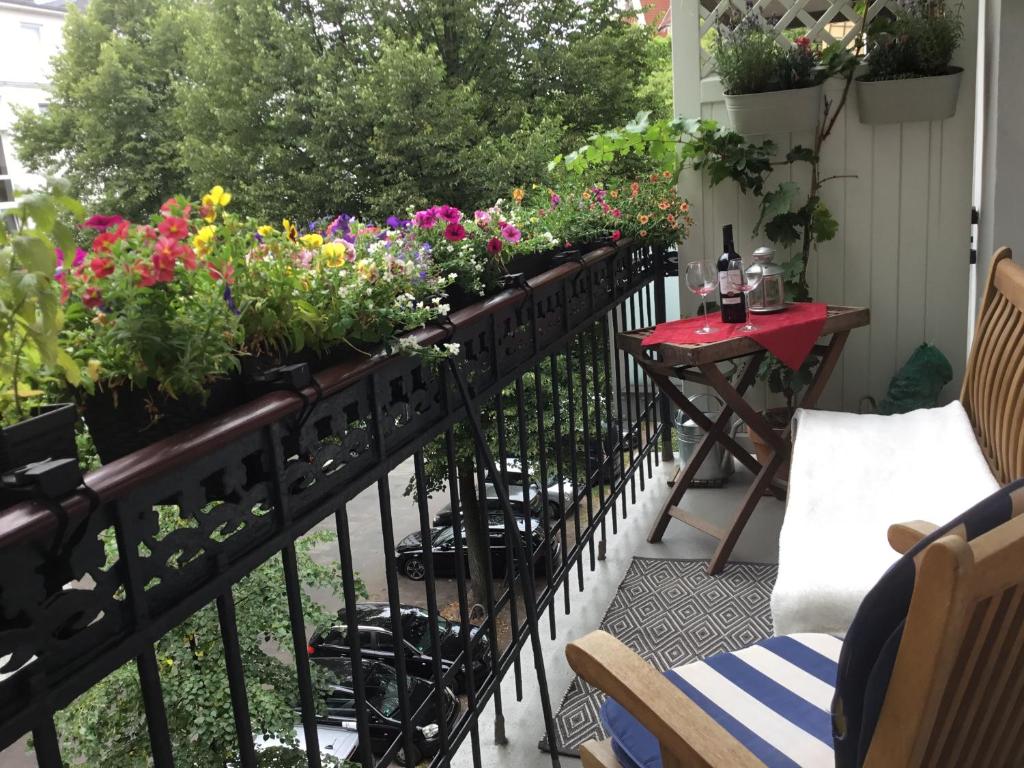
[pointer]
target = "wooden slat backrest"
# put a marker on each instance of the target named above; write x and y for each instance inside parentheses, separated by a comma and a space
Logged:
(956, 695)
(993, 388)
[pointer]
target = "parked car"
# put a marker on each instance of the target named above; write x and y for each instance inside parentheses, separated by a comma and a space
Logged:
(409, 551)
(552, 483)
(335, 742)
(444, 517)
(376, 641)
(381, 681)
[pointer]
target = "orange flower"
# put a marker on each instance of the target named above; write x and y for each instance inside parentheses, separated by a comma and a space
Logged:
(518, 194)
(643, 233)
(635, 187)
(671, 219)
(684, 206)
(666, 174)
(643, 218)
(664, 204)
(586, 195)
(654, 177)
(615, 194)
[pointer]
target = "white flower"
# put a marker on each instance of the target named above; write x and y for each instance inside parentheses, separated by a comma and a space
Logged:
(451, 348)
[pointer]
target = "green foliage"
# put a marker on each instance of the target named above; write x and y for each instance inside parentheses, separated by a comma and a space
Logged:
(30, 311)
(919, 40)
(750, 59)
(308, 109)
(107, 725)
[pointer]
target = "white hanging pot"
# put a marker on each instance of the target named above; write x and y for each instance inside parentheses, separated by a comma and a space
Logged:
(913, 99)
(792, 111)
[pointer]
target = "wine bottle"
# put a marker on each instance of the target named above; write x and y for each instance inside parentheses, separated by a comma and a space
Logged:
(734, 304)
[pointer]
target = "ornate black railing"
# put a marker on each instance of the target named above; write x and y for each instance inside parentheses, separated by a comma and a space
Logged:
(260, 477)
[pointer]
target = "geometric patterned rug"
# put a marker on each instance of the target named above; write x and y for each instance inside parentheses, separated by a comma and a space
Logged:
(671, 612)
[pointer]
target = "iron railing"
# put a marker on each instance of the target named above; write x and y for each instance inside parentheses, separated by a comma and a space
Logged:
(257, 479)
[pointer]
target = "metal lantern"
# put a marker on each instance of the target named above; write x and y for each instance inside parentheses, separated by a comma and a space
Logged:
(770, 295)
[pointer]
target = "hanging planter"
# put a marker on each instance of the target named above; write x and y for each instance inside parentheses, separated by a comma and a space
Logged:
(124, 419)
(47, 435)
(908, 100)
(792, 111)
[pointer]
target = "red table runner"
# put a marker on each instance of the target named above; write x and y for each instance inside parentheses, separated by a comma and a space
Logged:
(789, 335)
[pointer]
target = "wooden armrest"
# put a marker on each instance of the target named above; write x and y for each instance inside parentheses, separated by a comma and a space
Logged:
(688, 736)
(903, 536)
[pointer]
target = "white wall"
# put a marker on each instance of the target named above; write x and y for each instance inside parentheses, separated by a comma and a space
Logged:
(904, 227)
(30, 37)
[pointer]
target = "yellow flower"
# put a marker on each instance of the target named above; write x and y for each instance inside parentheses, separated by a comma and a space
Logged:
(335, 254)
(290, 230)
(265, 230)
(367, 270)
(518, 194)
(615, 194)
(215, 198)
(312, 240)
(201, 242)
(93, 368)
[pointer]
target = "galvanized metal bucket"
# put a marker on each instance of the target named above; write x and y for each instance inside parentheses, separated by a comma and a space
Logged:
(718, 465)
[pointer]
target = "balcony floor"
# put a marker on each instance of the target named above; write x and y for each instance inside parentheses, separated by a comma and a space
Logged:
(523, 723)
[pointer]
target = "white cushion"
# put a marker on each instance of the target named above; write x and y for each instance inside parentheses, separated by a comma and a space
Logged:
(853, 476)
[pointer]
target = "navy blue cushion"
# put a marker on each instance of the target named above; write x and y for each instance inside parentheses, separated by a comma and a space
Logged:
(871, 644)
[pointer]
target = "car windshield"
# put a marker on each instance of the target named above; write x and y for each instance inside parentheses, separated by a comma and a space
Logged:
(416, 630)
(382, 692)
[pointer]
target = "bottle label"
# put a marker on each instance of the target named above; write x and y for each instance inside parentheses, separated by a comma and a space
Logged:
(732, 300)
(723, 282)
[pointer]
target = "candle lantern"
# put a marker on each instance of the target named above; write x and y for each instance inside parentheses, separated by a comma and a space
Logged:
(770, 295)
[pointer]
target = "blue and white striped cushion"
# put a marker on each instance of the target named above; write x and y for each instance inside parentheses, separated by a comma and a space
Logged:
(774, 697)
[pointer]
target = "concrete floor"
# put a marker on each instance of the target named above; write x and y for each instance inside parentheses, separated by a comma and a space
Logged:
(524, 725)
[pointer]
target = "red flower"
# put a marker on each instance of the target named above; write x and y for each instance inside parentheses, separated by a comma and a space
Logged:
(102, 242)
(227, 275)
(187, 256)
(91, 297)
(616, 235)
(803, 41)
(173, 226)
(174, 208)
(454, 232)
(99, 222)
(494, 246)
(145, 272)
(148, 232)
(102, 267)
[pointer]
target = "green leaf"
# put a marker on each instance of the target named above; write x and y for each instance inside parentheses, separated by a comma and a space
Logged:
(823, 225)
(777, 203)
(800, 154)
(64, 237)
(35, 254)
(783, 229)
(72, 372)
(40, 207)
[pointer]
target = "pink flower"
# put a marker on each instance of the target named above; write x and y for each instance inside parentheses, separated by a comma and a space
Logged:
(616, 235)
(174, 227)
(102, 267)
(100, 222)
(79, 257)
(510, 233)
(616, 213)
(482, 218)
(494, 246)
(145, 272)
(454, 232)
(448, 213)
(91, 297)
(803, 41)
(425, 219)
(227, 274)
(555, 200)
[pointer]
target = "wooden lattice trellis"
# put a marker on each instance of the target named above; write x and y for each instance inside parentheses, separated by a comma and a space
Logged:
(827, 21)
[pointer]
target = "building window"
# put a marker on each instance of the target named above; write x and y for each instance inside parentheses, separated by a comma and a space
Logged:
(32, 32)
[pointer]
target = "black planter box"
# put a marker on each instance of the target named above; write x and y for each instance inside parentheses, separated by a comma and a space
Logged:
(38, 456)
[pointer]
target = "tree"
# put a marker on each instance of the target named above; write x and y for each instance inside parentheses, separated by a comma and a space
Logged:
(107, 726)
(110, 125)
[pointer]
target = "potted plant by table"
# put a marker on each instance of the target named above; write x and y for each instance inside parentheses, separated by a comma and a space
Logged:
(910, 77)
(149, 310)
(34, 237)
(770, 86)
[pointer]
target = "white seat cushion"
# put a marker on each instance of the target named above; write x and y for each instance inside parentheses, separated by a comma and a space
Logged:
(852, 477)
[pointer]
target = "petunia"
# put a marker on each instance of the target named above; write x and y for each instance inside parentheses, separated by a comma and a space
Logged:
(99, 222)
(396, 223)
(173, 227)
(510, 233)
(147, 278)
(555, 199)
(102, 267)
(482, 219)
(494, 246)
(448, 213)
(79, 257)
(454, 232)
(92, 297)
(187, 256)
(616, 235)
(174, 207)
(425, 219)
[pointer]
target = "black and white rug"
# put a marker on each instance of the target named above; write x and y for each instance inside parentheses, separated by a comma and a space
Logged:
(671, 612)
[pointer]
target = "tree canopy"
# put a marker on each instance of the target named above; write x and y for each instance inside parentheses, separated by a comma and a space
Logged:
(305, 109)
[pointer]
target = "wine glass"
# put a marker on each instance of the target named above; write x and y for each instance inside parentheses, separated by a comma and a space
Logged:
(701, 281)
(745, 280)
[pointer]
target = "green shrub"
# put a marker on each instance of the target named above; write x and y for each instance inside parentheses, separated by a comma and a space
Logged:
(918, 41)
(750, 59)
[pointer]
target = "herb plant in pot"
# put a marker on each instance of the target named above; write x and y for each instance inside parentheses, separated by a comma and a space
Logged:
(155, 322)
(910, 76)
(770, 87)
(33, 240)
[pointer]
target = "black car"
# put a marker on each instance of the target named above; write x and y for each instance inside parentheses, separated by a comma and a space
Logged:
(377, 643)
(385, 713)
(494, 508)
(409, 551)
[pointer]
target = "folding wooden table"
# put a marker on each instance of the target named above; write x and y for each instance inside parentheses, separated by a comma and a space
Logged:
(699, 363)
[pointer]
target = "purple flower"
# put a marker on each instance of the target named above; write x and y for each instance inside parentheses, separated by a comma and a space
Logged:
(80, 257)
(340, 223)
(510, 233)
(425, 219)
(448, 213)
(231, 301)
(555, 199)
(257, 237)
(396, 223)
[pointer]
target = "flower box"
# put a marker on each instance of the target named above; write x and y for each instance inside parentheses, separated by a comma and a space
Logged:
(791, 111)
(908, 100)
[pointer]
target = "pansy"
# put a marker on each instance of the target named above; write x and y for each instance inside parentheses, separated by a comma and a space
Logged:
(337, 252)
(215, 198)
(201, 242)
(454, 232)
(290, 230)
(396, 223)
(312, 240)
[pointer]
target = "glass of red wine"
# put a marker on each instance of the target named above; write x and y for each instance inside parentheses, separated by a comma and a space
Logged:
(745, 280)
(700, 279)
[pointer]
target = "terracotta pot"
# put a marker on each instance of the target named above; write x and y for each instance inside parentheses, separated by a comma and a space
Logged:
(791, 111)
(778, 418)
(913, 99)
